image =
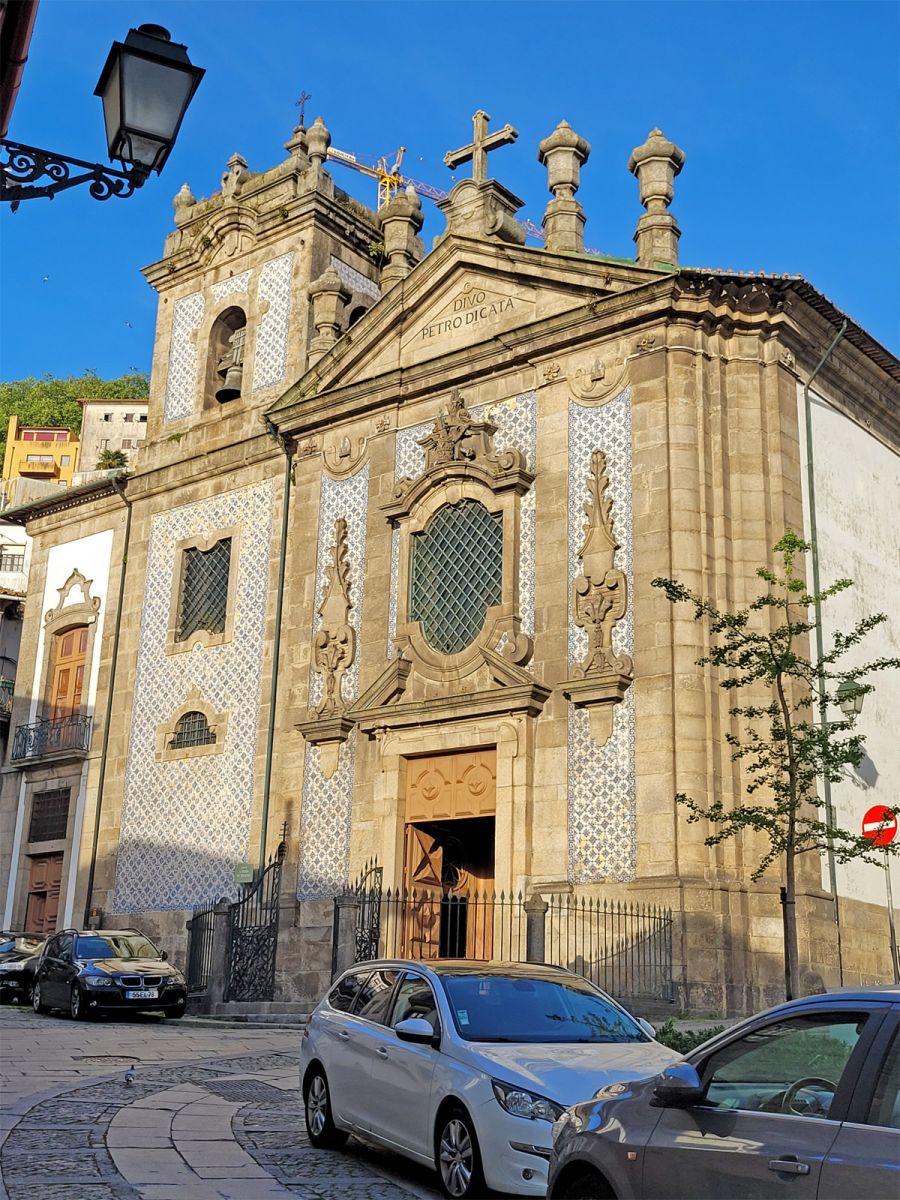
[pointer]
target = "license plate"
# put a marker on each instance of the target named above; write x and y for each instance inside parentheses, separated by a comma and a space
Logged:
(142, 994)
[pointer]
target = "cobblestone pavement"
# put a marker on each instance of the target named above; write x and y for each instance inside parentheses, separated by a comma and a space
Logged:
(213, 1113)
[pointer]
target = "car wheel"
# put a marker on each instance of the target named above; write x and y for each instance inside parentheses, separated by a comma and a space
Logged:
(323, 1133)
(458, 1157)
(586, 1185)
(36, 1002)
(77, 1010)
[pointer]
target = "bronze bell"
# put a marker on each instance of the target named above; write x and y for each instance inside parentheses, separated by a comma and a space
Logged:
(231, 386)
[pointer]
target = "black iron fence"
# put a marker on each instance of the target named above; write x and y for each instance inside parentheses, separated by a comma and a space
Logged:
(201, 939)
(253, 936)
(50, 737)
(624, 948)
(428, 923)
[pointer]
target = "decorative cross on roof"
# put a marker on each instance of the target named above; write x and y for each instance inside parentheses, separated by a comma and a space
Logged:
(481, 144)
(301, 104)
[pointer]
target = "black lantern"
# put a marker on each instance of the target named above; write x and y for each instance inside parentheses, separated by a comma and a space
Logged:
(146, 86)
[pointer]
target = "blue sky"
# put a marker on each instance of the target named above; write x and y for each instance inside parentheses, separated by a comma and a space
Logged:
(787, 113)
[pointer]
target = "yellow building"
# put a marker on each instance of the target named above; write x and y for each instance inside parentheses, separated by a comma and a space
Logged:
(34, 452)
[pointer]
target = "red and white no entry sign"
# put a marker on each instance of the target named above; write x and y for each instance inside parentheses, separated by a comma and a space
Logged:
(879, 825)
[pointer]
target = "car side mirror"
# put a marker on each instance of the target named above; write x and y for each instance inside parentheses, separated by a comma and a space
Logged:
(679, 1086)
(649, 1029)
(164, 955)
(416, 1029)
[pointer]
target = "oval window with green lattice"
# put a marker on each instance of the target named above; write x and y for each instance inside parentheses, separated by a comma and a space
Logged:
(456, 574)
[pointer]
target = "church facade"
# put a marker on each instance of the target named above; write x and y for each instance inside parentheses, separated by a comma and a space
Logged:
(378, 585)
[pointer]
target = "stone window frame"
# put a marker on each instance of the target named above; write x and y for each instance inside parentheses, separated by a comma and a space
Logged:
(203, 637)
(450, 487)
(48, 781)
(59, 620)
(217, 722)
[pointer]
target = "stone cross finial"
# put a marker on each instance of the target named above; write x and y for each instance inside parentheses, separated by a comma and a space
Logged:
(563, 154)
(655, 164)
(480, 146)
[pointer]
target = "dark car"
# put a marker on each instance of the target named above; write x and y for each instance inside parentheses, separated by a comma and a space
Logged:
(800, 1101)
(103, 970)
(19, 953)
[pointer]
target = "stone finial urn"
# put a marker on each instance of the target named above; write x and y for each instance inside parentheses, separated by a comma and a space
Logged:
(329, 296)
(655, 165)
(563, 153)
(400, 221)
(318, 139)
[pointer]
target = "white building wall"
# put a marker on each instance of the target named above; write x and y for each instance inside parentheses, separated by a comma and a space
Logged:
(857, 494)
(91, 556)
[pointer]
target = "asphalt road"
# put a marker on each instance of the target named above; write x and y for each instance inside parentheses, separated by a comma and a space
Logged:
(213, 1113)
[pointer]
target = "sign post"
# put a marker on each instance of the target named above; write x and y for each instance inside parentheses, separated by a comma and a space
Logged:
(879, 825)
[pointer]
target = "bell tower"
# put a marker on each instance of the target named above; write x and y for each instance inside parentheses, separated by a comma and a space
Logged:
(243, 283)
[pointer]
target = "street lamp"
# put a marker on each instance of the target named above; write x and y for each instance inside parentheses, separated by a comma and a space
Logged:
(850, 698)
(146, 85)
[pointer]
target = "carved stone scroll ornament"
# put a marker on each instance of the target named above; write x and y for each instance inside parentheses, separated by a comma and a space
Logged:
(334, 648)
(600, 599)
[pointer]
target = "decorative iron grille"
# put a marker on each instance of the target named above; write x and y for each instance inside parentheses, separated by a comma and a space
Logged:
(192, 730)
(457, 574)
(253, 936)
(49, 815)
(201, 934)
(204, 590)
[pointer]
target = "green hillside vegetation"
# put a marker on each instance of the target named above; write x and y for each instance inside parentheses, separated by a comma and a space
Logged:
(54, 402)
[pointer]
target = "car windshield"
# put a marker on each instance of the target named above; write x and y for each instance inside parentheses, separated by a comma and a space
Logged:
(115, 945)
(535, 1008)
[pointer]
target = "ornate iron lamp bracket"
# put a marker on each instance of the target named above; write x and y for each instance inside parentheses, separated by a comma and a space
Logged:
(24, 165)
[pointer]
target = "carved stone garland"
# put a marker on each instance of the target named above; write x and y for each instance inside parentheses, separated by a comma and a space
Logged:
(334, 647)
(600, 599)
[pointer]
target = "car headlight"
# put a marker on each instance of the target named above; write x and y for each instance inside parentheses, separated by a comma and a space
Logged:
(174, 981)
(97, 980)
(525, 1104)
(11, 966)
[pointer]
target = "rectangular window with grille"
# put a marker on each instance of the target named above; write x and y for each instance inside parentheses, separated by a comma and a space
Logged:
(204, 590)
(49, 815)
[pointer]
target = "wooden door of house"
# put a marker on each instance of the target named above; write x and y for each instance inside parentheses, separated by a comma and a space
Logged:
(44, 885)
(68, 672)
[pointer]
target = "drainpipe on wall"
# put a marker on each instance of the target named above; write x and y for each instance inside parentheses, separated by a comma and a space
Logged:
(287, 445)
(110, 692)
(820, 648)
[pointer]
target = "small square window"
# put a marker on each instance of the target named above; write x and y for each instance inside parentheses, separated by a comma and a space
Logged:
(128, 417)
(204, 590)
(107, 416)
(66, 459)
(143, 418)
(104, 443)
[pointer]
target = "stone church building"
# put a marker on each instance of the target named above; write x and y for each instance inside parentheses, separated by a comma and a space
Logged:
(379, 581)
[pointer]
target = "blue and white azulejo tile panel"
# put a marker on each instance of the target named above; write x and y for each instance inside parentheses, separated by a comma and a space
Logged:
(181, 380)
(236, 285)
(601, 781)
(185, 823)
(275, 286)
(327, 804)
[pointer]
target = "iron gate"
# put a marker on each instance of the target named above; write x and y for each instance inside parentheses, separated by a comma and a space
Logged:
(201, 933)
(253, 936)
(368, 916)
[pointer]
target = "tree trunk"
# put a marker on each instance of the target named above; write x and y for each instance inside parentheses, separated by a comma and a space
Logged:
(791, 952)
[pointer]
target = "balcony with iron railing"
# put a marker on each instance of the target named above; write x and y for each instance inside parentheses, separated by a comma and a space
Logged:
(7, 686)
(63, 737)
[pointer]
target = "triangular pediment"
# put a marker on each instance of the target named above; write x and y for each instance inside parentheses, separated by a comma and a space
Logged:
(464, 294)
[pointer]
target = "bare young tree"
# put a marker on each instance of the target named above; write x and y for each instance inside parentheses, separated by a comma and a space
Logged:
(784, 750)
